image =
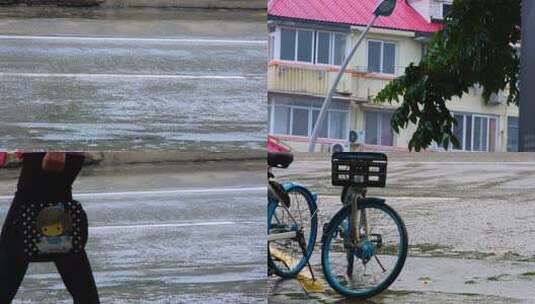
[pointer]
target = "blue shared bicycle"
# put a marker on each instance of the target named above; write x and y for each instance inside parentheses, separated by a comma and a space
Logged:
(365, 244)
(292, 222)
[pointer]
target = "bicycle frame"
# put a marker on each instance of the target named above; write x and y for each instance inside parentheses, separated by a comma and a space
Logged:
(352, 195)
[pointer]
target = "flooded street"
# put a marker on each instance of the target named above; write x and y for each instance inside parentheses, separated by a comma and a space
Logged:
(471, 228)
(132, 79)
(165, 234)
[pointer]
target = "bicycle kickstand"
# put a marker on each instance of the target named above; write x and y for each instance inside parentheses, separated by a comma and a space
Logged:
(303, 246)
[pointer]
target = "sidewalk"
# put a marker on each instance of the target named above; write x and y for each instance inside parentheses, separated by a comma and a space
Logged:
(469, 218)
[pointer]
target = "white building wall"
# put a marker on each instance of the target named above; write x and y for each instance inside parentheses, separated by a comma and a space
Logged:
(422, 7)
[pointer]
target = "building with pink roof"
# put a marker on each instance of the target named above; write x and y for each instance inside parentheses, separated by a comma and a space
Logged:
(308, 41)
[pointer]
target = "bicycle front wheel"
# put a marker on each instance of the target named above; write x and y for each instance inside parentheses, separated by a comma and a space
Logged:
(287, 257)
(365, 268)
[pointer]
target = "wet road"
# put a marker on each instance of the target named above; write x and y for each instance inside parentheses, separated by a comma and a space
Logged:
(166, 234)
(470, 224)
(132, 79)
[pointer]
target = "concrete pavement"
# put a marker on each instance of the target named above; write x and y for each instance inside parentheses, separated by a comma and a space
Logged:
(470, 221)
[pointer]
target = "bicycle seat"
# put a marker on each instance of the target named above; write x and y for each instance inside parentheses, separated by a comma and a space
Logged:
(280, 159)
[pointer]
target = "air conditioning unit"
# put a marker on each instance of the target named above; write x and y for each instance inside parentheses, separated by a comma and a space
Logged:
(339, 148)
(357, 137)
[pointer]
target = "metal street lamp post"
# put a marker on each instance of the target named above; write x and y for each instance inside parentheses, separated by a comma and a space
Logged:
(385, 9)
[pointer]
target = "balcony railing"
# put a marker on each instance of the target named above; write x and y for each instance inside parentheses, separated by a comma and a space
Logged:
(357, 82)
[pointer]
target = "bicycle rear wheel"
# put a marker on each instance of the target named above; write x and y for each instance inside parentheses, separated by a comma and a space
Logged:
(287, 257)
(365, 269)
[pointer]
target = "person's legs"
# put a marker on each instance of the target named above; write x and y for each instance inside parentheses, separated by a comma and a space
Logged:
(12, 269)
(76, 273)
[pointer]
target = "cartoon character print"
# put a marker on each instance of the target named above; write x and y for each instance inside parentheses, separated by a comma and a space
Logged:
(55, 229)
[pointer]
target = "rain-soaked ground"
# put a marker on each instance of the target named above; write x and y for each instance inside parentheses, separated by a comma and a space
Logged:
(119, 79)
(165, 234)
(471, 228)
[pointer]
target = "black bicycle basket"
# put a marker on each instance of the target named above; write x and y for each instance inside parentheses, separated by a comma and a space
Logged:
(364, 169)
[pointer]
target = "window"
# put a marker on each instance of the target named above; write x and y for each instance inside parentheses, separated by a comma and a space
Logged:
(339, 49)
(282, 120)
(300, 121)
(312, 46)
(378, 129)
(324, 48)
(480, 135)
(337, 124)
(305, 41)
(331, 48)
(287, 44)
(297, 45)
(512, 134)
(324, 129)
(458, 131)
(381, 57)
(476, 133)
(445, 10)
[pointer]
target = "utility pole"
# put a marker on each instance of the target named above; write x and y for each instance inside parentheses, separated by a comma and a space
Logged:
(527, 79)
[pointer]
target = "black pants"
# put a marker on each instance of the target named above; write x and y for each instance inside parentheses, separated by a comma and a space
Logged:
(35, 184)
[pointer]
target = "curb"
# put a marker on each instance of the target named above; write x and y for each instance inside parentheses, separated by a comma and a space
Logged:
(153, 157)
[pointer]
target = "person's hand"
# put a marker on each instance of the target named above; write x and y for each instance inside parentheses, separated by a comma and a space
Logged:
(54, 162)
(3, 158)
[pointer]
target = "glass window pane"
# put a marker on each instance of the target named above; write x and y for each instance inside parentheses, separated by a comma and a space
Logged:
(324, 47)
(468, 145)
(323, 130)
(281, 120)
(271, 47)
(484, 134)
(387, 135)
(371, 128)
(458, 131)
(337, 125)
(300, 122)
(477, 134)
(445, 10)
(389, 58)
(287, 44)
(492, 135)
(512, 134)
(374, 56)
(304, 46)
(339, 48)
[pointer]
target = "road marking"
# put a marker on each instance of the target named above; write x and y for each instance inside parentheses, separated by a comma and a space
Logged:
(158, 226)
(162, 192)
(304, 277)
(128, 76)
(133, 39)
